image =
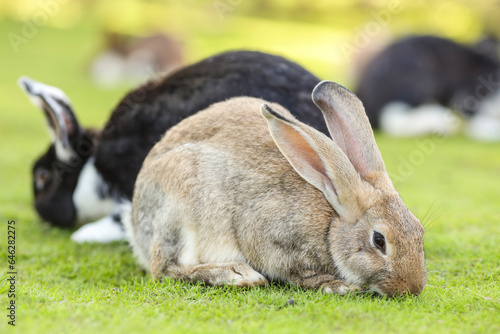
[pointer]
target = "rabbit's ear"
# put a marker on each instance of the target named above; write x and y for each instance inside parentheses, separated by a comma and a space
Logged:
(63, 125)
(320, 162)
(349, 127)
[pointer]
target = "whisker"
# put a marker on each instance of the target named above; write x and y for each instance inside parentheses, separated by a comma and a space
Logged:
(428, 217)
(427, 212)
(432, 219)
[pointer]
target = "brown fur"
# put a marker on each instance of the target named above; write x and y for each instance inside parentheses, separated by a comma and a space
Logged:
(218, 193)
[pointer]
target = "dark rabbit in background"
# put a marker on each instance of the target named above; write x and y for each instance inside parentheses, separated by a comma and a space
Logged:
(85, 173)
(415, 84)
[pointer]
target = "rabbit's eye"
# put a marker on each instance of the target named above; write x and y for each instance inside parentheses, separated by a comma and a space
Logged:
(379, 241)
(42, 177)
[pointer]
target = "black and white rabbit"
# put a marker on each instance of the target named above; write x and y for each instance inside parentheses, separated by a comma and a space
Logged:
(85, 173)
(414, 85)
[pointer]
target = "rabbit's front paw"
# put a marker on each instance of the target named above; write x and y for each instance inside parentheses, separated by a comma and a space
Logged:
(339, 287)
(102, 231)
(236, 273)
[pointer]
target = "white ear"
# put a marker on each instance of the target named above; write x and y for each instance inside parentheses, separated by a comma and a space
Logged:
(62, 123)
(319, 161)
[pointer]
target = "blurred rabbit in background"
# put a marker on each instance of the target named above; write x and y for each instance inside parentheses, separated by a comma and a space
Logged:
(417, 85)
(132, 59)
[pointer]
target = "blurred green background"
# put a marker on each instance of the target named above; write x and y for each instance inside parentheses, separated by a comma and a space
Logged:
(330, 38)
(315, 33)
(54, 40)
(455, 189)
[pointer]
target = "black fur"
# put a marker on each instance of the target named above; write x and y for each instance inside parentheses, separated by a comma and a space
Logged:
(54, 202)
(422, 69)
(143, 115)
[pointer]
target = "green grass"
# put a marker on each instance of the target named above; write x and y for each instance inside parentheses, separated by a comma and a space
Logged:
(67, 288)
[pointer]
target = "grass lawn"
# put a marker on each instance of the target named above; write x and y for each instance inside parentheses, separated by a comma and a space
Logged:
(452, 184)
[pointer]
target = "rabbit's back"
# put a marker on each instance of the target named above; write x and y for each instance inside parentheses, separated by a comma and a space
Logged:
(221, 184)
(141, 118)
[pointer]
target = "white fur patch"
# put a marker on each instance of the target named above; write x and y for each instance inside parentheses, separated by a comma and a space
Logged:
(125, 210)
(63, 153)
(375, 288)
(400, 120)
(197, 248)
(347, 274)
(102, 231)
(490, 105)
(201, 243)
(89, 206)
(140, 251)
(140, 64)
(189, 254)
(484, 127)
(343, 290)
(107, 69)
(220, 249)
(35, 90)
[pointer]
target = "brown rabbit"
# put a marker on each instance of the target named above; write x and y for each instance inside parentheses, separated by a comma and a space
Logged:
(228, 198)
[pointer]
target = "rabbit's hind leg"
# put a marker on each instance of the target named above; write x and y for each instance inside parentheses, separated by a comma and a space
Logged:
(215, 274)
(167, 262)
(231, 273)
